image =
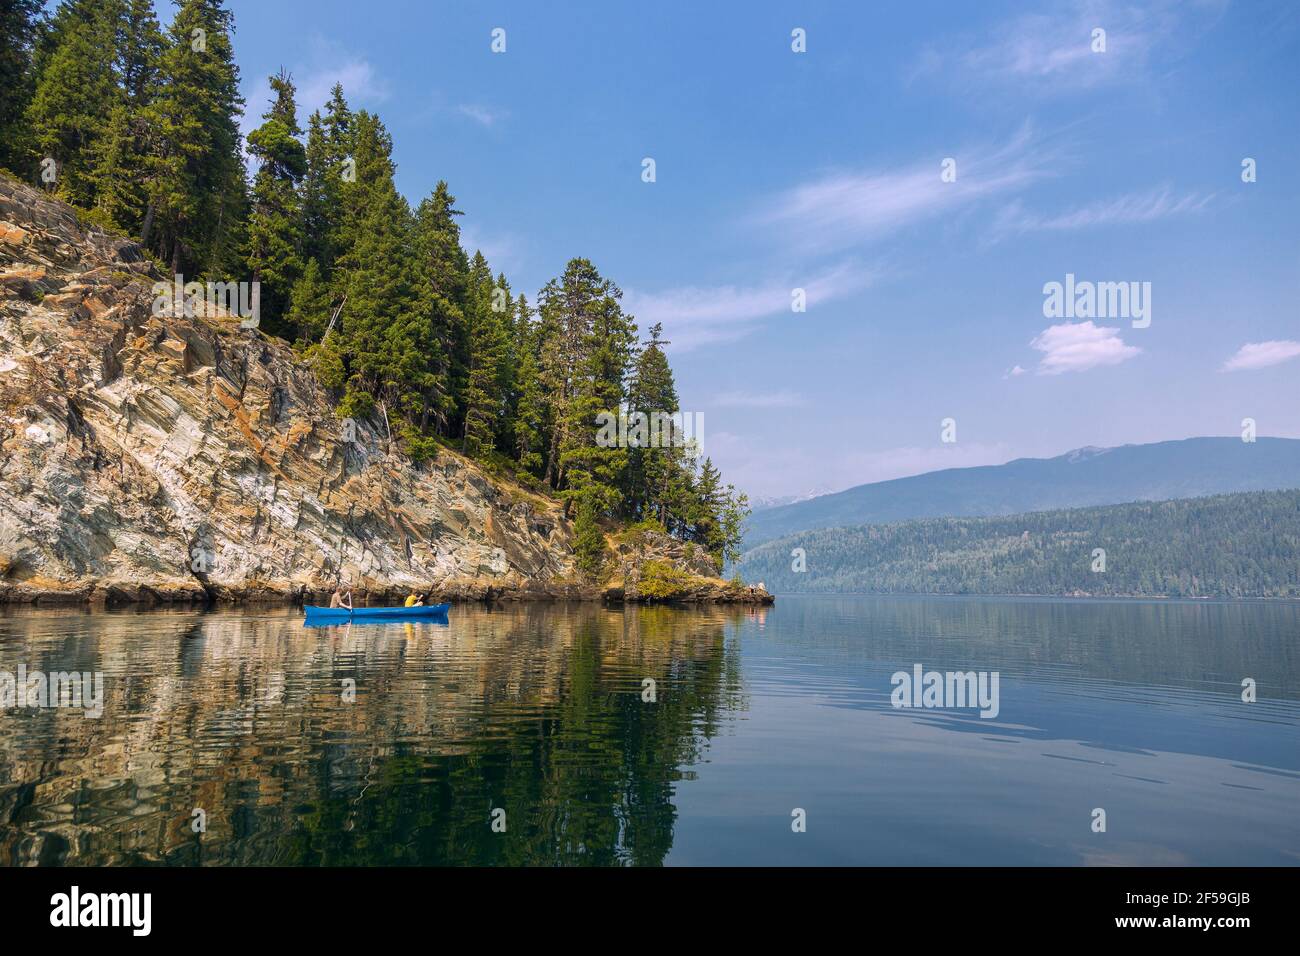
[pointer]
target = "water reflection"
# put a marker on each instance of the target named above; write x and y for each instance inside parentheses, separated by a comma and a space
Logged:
(537, 711)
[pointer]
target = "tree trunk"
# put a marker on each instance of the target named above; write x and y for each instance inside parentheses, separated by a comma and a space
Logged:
(148, 225)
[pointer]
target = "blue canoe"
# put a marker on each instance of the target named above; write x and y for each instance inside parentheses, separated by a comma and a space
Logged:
(362, 615)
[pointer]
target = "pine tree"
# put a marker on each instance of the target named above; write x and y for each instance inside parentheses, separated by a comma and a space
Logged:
(528, 417)
(310, 305)
(330, 144)
(76, 91)
(731, 520)
(586, 347)
(503, 303)
(606, 356)
(487, 353)
(446, 261)
(706, 510)
(588, 538)
(19, 24)
(444, 269)
(140, 47)
(388, 351)
(196, 173)
(653, 473)
(119, 159)
(562, 328)
(717, 515)
(275, 233)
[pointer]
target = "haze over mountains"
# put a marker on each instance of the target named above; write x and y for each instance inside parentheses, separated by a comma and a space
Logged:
(1243, 545)
(1189, 468)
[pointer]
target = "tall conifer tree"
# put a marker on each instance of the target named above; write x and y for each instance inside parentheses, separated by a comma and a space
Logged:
(196, 184)
(119, 159)
(76, 90)
(487, 354)
(20, 22)
(528, 416)
(653, 473)
(275, 230)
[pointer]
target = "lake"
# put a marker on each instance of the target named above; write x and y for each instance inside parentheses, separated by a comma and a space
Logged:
(576, 734)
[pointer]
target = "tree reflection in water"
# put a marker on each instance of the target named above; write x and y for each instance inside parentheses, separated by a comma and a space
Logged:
(533, 709)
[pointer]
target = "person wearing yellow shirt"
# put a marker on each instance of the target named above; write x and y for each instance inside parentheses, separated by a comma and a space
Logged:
(414, 600)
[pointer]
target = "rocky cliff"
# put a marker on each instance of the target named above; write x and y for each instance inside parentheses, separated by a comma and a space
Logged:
(168, 457)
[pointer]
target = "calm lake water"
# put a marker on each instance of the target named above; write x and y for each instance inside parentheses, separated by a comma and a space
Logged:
(538, 711)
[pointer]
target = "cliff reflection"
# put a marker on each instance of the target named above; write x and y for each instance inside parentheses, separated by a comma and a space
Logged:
(251, 718)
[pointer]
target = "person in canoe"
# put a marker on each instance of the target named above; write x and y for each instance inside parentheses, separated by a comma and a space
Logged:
(418, 600)
(337, 599)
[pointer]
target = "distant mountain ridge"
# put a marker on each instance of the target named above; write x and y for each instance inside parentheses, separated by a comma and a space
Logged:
(1225, 546)
(776, 501)
(1084, 477)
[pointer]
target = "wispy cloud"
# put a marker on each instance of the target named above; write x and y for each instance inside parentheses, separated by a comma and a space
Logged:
(504, 251)
(483, 115)
(698, 315)
(1255, 355)
(833, 215)
(843, 209)
(783, 398)
(325, 64)
(1042, 53)
(1079, 346)
(361, 84)
(1059, 49)
(1129, 209)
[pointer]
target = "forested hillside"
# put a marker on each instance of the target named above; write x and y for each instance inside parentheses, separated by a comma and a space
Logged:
(1191, 468)
(138, 127)
(1241, 545)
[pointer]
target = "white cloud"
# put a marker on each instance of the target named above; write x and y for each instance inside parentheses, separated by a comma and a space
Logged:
(1014, 372)
(1044, 53)
(1079, 346)
(834, 214)
(325, 64)
(329, 64)
(1255, 355)
(783, 398)
(693, 315)
(1130, 208)
(503, 251)
(842, 209)
(1059, 50)
(483, 115)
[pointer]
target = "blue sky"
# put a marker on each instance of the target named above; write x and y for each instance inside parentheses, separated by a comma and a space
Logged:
(822, 170)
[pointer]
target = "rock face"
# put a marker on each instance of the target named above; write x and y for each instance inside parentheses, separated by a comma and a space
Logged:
(651, 567)
(169, 455)
(166, 458)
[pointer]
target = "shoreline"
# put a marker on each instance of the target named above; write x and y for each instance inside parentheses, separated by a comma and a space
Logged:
(1082, 598)
(99, 595)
